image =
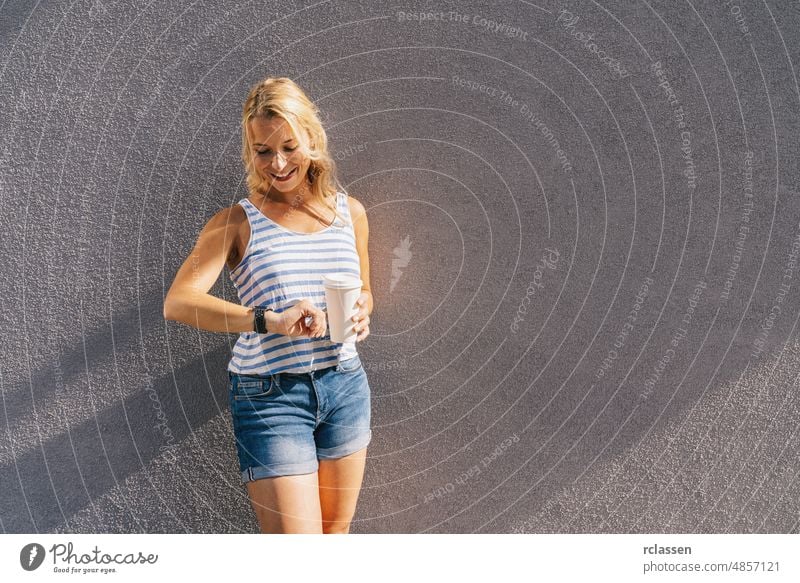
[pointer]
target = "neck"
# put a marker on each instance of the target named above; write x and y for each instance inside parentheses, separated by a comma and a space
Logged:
(295, 197)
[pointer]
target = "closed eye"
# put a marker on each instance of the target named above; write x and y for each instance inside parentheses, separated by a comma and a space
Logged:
(262, 152)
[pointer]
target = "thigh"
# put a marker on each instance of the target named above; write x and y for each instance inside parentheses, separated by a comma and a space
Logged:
(287, 504)
(345, 426)
(339, 487)
(273, 423)
(342, 438)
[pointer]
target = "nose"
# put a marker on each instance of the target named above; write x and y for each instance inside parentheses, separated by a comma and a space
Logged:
(278, 162)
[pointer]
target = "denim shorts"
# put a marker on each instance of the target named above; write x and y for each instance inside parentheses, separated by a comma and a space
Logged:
(285, 422)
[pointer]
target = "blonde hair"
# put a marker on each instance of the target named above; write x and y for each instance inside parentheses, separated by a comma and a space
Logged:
(283, 98)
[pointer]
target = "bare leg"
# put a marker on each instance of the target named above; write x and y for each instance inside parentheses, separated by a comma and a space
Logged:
(287, 504)
(339, 486)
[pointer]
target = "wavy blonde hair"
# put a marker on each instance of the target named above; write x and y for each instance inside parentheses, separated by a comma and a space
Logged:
(281, 97)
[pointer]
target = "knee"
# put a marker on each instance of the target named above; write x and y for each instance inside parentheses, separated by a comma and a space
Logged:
(335, 527)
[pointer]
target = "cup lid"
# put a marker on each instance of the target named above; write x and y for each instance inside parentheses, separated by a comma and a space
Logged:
(341, 281)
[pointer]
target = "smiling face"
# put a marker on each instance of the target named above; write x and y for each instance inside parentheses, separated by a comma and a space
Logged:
(277, 155)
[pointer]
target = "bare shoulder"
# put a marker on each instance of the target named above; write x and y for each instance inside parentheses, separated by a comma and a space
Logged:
(230, 226)
(357, 209)
(229, 218)
(229, 221)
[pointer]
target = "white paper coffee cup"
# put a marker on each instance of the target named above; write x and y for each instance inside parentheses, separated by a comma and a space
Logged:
(341, 295)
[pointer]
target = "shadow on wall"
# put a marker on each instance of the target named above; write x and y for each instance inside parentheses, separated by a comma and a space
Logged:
(77, 462)
(47, 480)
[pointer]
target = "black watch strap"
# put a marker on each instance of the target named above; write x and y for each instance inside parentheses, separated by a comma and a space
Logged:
(260, 323)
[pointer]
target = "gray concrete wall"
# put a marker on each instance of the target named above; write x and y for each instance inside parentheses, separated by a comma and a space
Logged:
(581, 218)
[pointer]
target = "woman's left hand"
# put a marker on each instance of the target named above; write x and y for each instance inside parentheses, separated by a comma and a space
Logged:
(361, 318)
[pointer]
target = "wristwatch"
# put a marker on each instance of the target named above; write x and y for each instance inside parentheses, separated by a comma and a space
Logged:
(259, 322)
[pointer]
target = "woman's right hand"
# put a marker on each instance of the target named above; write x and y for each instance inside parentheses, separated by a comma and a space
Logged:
(292, 321)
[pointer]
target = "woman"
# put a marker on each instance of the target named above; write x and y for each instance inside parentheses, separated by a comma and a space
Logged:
(300, 403)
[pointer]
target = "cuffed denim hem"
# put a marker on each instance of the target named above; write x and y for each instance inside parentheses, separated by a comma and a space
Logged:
(259, 472)
(345, 449)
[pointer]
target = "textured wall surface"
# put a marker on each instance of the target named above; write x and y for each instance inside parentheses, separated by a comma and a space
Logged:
(585, 230)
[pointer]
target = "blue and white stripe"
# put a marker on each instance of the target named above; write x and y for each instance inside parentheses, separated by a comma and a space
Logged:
(279, 268)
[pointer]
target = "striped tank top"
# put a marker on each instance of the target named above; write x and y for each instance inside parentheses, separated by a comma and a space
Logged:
(280, 267)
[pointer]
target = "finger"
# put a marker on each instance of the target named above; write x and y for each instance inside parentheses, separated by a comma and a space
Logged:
(313, 320)
(320, 318)
(322, 323)
(310, 326)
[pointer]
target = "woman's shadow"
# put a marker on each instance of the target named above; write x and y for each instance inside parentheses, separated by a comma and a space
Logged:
(47, 480)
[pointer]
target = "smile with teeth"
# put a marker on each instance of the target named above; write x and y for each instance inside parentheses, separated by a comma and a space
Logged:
(284, 176)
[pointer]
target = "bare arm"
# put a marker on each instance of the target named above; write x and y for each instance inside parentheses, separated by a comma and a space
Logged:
(361, 230)
(188, 300)
(365, 299)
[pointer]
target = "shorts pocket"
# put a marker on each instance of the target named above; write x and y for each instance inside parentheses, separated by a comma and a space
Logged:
(350, 365)
(252, 389)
